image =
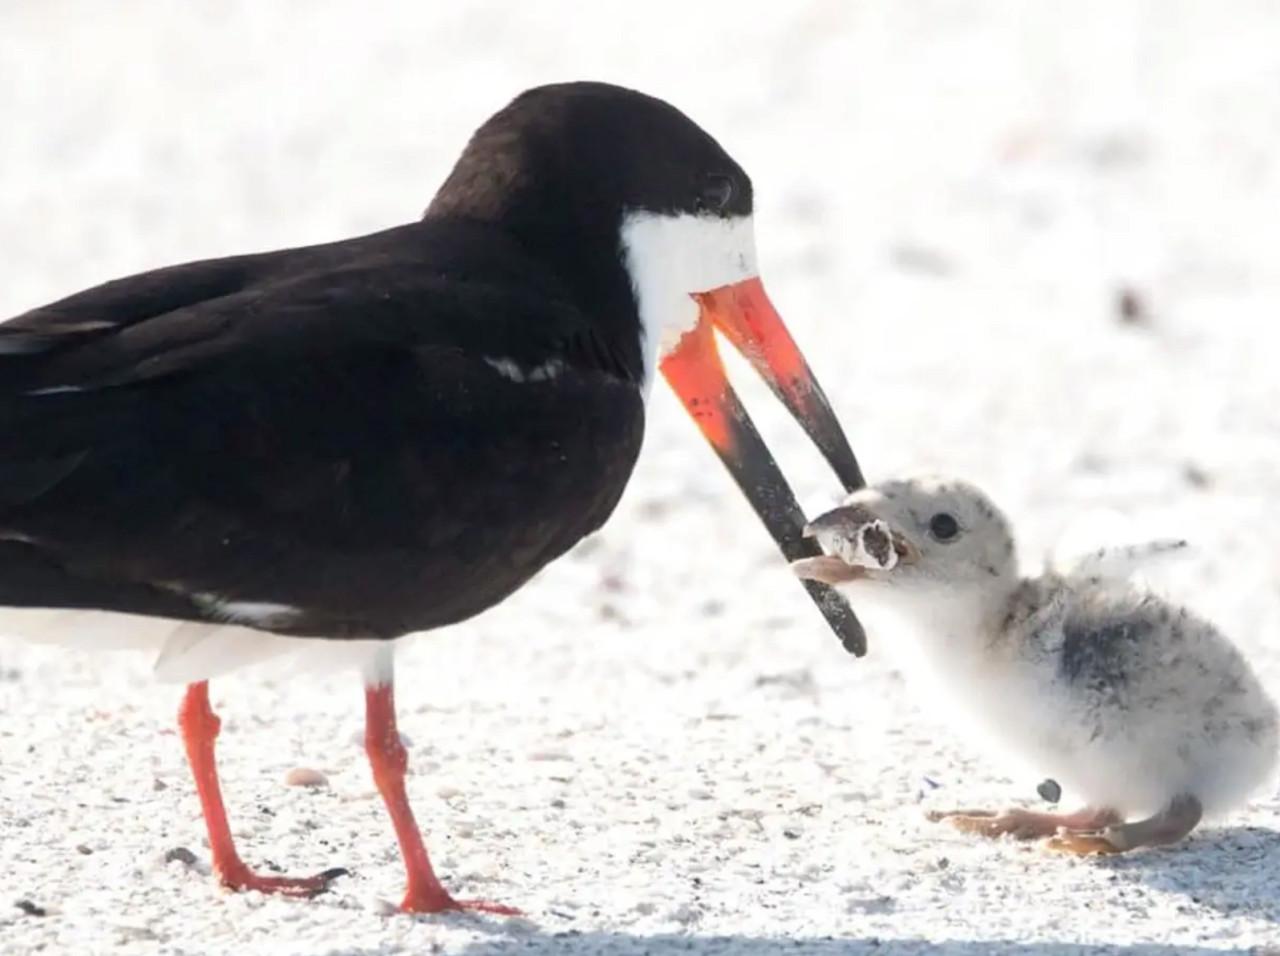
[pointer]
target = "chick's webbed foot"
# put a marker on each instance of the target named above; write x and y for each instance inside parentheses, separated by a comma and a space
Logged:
(1022, 824)
(1170, 825)
(1082, 843)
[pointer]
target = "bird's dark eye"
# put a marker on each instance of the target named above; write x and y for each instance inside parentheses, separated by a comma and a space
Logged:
(715, 194)
(943, 526)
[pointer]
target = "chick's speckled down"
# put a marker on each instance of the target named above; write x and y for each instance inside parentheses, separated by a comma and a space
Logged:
(1132, 703)
(1143, 699)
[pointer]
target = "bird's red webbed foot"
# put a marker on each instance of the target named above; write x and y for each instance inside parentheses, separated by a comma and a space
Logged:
(239, 877)
(439, 901)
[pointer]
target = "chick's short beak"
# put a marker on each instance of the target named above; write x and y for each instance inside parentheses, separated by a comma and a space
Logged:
(836, 528)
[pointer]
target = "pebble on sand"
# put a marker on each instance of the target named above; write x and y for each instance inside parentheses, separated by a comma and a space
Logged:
(305, 777)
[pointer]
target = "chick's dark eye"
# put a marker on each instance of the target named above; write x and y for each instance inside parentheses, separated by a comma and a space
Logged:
(943, 526)
(715, 194)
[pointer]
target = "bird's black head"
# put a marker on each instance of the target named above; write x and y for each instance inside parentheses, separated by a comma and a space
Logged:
(590, 152)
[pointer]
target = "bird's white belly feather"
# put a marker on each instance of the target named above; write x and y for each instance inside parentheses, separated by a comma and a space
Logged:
(184, 651)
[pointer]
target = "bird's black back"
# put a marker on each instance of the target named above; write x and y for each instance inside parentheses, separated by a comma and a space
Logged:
(326, 428)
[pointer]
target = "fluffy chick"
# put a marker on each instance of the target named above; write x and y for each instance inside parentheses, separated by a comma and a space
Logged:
(1137, 706)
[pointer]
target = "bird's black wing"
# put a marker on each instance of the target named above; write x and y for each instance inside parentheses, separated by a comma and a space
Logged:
(342, 430)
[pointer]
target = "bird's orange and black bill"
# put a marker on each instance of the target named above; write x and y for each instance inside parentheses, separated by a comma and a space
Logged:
(743, 313)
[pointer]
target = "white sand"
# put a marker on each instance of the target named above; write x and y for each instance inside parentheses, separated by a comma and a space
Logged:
(657, 747)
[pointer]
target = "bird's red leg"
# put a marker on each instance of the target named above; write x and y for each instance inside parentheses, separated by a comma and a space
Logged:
(387, 757)
(199, 731)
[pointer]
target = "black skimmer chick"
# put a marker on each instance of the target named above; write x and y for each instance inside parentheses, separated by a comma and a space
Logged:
(354, 441)
(1142, 710)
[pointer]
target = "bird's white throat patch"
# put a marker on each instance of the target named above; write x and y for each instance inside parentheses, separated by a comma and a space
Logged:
(671, 257)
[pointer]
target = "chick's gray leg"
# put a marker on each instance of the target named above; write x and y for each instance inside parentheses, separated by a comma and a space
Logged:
(1024, 824)
(1170, 825)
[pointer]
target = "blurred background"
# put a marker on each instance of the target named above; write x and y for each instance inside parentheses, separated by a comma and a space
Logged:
(1032, 244)
(1065, 209)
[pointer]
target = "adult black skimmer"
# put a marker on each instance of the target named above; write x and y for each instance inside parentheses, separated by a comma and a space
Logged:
(367, 438)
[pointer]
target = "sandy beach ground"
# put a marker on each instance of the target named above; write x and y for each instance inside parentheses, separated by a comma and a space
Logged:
(657, 747)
